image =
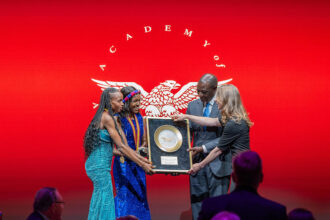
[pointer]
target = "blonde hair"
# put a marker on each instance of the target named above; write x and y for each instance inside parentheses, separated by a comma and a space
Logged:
(231, 104)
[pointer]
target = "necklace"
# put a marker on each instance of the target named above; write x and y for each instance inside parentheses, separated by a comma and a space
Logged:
(136, 133)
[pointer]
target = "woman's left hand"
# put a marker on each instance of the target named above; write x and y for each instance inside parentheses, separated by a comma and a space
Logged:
(195, 168)
(116, 152)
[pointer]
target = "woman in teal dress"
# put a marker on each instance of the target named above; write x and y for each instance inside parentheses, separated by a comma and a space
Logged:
(100, 136)
(130, 179)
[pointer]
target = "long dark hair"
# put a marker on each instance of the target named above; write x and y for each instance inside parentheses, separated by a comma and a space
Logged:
(92, 139)
(126, 91)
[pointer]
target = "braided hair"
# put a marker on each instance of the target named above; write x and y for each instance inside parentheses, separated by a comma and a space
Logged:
(92, 138)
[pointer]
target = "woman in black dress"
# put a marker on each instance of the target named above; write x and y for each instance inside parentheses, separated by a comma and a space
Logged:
(234, 120)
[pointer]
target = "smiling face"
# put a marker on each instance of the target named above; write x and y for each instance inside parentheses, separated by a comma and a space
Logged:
(205, 91)
(134, 105)
(116, 102)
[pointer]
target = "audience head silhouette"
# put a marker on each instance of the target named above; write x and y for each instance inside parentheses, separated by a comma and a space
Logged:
(245, 201)
(226, 216)
(248, 169)
(300, 214)
(48, 203)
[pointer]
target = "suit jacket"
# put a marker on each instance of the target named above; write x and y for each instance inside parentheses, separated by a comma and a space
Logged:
(221, 166)
(35, 216)
(246, 203)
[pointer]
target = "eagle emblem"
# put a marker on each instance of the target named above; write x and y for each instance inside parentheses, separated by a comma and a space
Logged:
(160, 101)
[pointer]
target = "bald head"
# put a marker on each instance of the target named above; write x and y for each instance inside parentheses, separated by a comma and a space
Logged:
(210, 79)
(49, 202)
(206, 87)
(44, 198)
(248, 169)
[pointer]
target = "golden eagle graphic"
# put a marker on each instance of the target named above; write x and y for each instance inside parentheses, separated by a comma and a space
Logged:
(161, 102)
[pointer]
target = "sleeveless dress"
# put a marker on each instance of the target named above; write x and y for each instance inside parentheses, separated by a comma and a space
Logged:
(130, 179)
(98, 167)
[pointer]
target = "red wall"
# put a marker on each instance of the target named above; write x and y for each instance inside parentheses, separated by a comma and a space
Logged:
(276, 53)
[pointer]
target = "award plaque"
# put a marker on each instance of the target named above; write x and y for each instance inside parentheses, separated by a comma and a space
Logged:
(168, 142)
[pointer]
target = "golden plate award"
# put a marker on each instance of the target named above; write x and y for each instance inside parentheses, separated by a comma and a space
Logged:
(168, 142)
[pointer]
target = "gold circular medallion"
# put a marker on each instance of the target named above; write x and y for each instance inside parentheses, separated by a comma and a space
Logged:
(168, 138)
(122, 159)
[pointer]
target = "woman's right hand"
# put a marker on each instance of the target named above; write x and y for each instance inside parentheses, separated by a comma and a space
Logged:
(195, 168)
(179, 117)
(145, 160)
(148, 168)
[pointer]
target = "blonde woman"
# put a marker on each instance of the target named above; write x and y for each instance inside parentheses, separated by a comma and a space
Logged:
(234, 120)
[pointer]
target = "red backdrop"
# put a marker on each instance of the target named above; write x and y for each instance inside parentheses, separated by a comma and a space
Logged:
(276, 53)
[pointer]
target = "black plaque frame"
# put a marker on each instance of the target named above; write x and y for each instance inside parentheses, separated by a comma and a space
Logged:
(184, 159)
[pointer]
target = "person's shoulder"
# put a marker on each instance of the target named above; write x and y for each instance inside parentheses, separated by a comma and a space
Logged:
(244, 123)
(214, 205)
(236, 124)
(231, 124)
(234, 121)
(139, 116)
(272, 204)
(196, 101)
(34, 216)
(106, 116)
(194, 106)
(107, 119)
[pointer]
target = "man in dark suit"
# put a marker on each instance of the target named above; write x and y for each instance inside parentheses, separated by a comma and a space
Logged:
(245, 200)
(48, 205)
(213, 179)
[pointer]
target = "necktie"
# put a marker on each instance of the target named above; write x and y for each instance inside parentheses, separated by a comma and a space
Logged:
(206, 113)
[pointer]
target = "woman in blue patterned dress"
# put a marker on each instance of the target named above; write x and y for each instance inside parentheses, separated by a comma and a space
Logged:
(130, 179)
(100, 136)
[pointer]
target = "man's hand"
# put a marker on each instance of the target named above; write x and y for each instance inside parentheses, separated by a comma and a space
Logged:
(195, 150)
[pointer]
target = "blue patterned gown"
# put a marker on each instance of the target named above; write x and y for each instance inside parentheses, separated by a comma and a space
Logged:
(98, 167)
(130, 179)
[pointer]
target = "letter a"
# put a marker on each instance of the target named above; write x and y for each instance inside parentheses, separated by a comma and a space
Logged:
(147, 29)
(188, 33)
(128, 37)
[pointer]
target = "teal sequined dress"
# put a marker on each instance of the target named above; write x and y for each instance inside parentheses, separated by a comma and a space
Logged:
(98, 167)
